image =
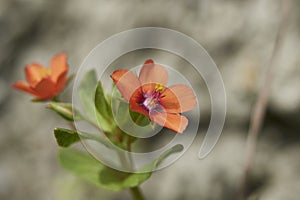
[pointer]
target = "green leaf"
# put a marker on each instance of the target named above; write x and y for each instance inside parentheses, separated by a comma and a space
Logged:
(86, 92)
(65, 110)
(95, 172)
(65, 137)
(104, 112)
(115, 180)
(101, 103)
(89, 90)
(81, 164)
(154, 164)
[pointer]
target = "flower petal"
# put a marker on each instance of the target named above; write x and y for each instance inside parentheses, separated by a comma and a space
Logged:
(58, 66)
(135, 102)
(153, 73)
(45, 89)
(126, 82)
(34, 73)
(61, 82)
(178, 98)
(20, 85)
(175, 122)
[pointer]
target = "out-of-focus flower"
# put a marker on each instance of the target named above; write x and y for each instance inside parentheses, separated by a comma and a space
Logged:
(148, 95)
(45, 83)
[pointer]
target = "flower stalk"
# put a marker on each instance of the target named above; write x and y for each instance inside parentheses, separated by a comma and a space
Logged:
(260, 106)
(137, 193)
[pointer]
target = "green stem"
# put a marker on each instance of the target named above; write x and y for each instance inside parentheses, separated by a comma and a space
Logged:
(139, 119)
(137, 193)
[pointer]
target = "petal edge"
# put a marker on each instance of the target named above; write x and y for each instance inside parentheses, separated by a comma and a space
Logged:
(126, 82)
(22, 86)
(175, 122)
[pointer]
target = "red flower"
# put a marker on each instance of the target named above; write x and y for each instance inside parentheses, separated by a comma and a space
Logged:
(148, 95)
(45, 83)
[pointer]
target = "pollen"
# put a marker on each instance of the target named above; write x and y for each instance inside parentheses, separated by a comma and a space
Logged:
(159, 87)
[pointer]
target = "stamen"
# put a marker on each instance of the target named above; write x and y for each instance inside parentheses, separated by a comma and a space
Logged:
(150, 103)
(159, 87)
(151, 99)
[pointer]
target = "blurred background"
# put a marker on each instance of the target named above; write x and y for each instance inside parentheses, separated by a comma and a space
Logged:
(238, 34)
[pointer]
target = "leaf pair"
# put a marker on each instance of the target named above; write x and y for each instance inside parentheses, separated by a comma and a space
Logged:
(93, 99)
(95, 172)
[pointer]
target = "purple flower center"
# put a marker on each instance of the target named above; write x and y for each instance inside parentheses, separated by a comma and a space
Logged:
(151, 100)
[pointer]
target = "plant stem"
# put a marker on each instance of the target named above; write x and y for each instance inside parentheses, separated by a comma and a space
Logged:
(137, 193)
(139, 119)
(259, 109)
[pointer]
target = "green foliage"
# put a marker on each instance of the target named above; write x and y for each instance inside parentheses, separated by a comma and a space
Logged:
(101, 103)
(81, 164)
(92, 98)
(65, 137)
(104, 112)
(95, 172)
(86, 92)
(97, 107)
(153, 165)
(65, 110)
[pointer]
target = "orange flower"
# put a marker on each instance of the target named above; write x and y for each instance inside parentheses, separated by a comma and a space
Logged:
(45, 83)
(148, 95)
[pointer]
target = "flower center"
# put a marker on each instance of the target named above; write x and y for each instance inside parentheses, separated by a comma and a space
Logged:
(150, 102)
(151, 99)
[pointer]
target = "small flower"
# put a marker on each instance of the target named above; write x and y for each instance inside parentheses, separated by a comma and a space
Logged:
(45, 83)
(148, 95)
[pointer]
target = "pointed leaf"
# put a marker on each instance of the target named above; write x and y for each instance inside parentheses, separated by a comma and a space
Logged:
(101, 103)
(154, 164)
(65, 110)
(116, 180)
(95, 172)
(65, 137)
(86, 92)
(81, 164)
(104, 113)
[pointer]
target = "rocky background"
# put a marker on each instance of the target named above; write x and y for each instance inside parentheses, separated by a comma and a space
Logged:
(239, 36)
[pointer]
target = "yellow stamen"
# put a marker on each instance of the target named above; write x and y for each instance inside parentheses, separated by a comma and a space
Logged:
(159, 87)
(48, 72)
